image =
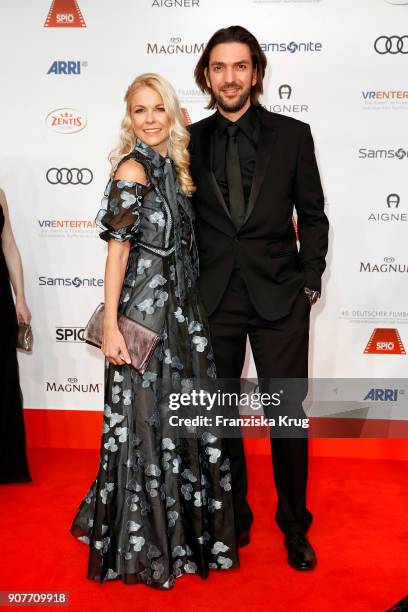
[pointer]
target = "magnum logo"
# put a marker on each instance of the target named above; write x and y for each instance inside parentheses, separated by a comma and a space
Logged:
(64, 14)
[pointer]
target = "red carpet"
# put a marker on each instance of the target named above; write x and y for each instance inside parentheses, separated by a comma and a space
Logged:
(360, 534)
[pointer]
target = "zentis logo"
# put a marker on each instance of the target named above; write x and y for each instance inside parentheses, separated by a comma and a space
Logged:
(385, 341)
(64, 14)
(66, 120)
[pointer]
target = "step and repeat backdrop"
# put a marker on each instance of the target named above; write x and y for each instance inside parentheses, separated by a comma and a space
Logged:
(340, 65)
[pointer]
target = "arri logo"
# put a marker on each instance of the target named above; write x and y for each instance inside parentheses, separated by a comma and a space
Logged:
(66, 67)
(66, 120)
(385, 341)
(64, 14)
(382, 395)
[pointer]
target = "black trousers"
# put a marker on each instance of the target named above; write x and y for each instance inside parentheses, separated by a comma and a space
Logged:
(280, 350)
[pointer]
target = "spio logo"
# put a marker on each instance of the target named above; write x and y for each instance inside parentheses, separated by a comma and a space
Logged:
(285, 92)
(393, 200)
(66, 67)
(385, 341)
(391, 45)
(69, 334)
(66, 120)
(64, 14)
(69, 176)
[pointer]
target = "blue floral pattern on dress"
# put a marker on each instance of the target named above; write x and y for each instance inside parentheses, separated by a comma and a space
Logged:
(161, 505)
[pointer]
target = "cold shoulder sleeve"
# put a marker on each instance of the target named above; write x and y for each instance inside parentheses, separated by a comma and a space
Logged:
(119, 215)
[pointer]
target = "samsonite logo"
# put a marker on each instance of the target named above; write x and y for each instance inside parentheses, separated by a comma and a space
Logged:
(66, 67)
(385, 341)
(64, 14)
(66, 120)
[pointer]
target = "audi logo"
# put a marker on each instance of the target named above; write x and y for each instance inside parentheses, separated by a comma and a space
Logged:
(392, 45)
(69, 176)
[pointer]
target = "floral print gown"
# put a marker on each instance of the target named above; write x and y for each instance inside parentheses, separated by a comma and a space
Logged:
(161, 504)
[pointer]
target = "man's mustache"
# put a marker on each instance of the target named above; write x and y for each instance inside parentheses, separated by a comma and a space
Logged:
(230, 85)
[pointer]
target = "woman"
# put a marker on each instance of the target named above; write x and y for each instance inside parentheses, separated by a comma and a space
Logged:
(161, 505)
(13, 457)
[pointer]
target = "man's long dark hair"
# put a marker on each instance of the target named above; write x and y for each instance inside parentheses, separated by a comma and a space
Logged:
(225, 35)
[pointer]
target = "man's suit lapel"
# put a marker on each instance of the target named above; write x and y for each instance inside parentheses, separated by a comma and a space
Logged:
(267, 138)
(207, 157)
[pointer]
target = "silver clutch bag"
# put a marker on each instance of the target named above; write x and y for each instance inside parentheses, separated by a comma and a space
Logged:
(25, 337)
(140, 340)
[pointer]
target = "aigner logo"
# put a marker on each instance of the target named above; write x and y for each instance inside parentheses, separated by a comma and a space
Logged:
(393, 201)
(69, 176)
(285, 91)
(64, 14)
(391, 45)
(66, 67)
(175, 3)
(66, 120)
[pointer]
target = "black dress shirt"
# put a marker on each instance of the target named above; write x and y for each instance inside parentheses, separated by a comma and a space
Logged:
(247, 138)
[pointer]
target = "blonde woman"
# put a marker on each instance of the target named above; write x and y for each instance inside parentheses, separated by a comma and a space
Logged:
(161, 504)
(13, 457)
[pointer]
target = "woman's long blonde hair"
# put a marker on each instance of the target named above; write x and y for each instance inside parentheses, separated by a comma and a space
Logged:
(178, 137)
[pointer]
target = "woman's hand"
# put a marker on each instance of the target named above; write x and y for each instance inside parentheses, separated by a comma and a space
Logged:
(23, 312)
(114, 347)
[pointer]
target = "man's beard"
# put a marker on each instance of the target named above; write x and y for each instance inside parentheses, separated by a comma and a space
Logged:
(232, 107)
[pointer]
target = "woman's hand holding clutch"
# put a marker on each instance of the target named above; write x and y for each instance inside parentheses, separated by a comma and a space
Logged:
(114, 347)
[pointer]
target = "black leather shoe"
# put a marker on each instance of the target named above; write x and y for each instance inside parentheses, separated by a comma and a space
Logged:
(301, 555)
(243, 539)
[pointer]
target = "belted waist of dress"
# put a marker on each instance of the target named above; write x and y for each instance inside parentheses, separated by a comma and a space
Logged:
(161, 252)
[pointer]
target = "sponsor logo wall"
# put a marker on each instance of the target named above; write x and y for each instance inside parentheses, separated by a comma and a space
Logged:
(61, 120)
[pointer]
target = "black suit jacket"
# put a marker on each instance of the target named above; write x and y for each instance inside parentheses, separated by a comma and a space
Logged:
(286, 176)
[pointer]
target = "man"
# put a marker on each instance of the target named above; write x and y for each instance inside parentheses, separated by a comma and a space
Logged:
(251, 168)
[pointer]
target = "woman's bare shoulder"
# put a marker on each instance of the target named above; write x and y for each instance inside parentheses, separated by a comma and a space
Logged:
(131, 170)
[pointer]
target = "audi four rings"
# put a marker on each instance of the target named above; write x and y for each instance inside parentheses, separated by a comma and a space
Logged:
(391, 44)
(69, 176)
